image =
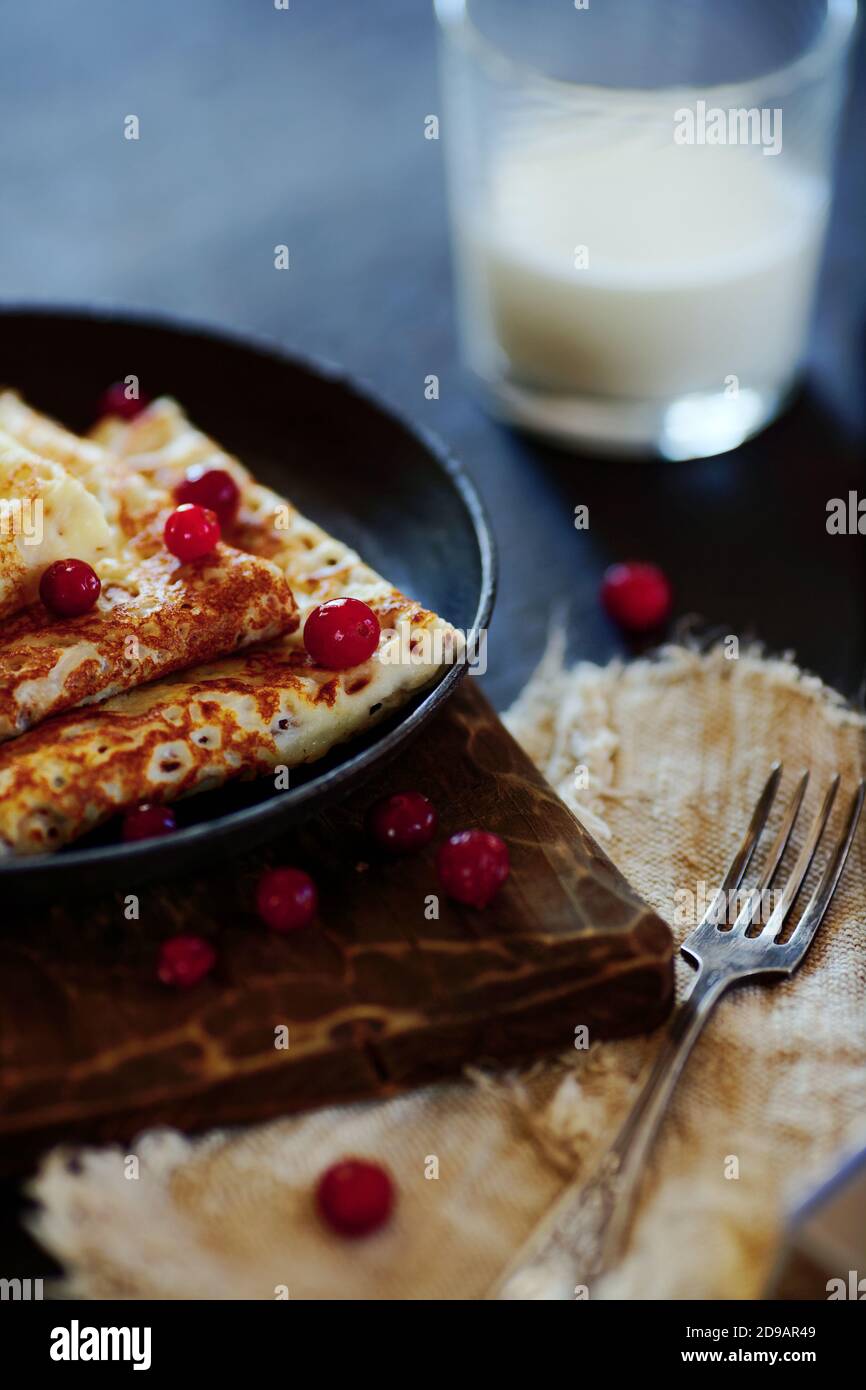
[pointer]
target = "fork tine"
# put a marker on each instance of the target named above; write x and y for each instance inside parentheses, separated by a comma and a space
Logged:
(780, 913)
(741, 860)
(801, 937)
(780, 844)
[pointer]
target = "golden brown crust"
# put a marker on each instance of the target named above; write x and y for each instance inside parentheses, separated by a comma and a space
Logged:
(154, 616)
(172, 616)
(237, 717)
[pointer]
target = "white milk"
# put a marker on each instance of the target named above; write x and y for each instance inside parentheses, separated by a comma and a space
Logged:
(701, 266)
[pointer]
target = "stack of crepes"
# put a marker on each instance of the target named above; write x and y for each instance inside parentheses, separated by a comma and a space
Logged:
(148, 697)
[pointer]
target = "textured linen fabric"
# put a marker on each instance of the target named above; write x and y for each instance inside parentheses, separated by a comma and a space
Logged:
(662, 759)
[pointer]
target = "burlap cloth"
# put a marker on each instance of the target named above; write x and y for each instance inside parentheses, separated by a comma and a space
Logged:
(676, 750)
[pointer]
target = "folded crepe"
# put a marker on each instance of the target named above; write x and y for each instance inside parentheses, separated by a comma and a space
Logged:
(155, 614)
(166, 616)
(236, 718)
(46, 514)
(160, 446)
(125, 498)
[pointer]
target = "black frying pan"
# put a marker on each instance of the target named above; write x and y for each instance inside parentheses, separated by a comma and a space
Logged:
(388, 489)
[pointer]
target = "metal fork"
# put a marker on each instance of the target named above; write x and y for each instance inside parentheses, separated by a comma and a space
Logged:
(586, 1228)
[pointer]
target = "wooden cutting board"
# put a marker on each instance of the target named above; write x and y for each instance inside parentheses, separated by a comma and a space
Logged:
(378, 996)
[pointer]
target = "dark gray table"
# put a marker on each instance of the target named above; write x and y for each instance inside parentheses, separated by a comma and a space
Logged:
(306, 127)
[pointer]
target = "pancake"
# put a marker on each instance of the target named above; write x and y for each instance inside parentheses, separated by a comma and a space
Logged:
(154, 615)
(161, 445)
(125, 498)
(45, 514)
(240, 717)
(167, 616)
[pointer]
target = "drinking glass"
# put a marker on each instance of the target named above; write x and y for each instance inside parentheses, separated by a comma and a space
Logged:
(639, 194)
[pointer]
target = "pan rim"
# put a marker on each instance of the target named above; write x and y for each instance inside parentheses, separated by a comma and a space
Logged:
(262, 820)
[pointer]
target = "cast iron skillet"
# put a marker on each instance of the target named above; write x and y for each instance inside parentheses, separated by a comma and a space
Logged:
(389, 489)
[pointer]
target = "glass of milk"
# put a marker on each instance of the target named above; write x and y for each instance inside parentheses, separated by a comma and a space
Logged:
(639, 194)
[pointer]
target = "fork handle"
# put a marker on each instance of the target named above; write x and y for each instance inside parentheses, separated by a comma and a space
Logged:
(588, 1224)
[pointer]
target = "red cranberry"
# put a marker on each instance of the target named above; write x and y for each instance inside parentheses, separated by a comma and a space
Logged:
(145, 822)
(403, 823)
(636, 595)
(355, 1197)
(184, 960)
(286, 899)
(69, 588)
(191, 531)
(115, 401)
(213, 488)
(341, 633)
(472, 866)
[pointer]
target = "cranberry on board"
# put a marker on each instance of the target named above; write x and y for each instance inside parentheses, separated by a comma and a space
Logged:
(184, 960)
(355, 1196)
(69, 588)
(191, 531)
(472, 866)
(638, 596)
(213, 488)
(286, 899)
(341, 633)
(402, 823)
(115, 401)
(145, 822)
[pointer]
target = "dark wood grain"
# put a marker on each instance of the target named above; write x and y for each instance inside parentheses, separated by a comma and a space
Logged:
(376, 997)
